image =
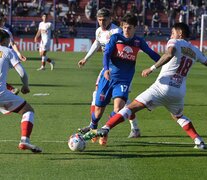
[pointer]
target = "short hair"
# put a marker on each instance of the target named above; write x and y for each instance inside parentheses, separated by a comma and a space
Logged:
(130, 19)
(3, 35)
(103, 12)
(183, 27)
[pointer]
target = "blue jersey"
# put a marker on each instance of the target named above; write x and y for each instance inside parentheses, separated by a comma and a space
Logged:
(121, 53)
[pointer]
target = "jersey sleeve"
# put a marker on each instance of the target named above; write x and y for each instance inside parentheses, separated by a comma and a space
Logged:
(201, 58)
(171, 43)
(152, 54)
(13, 58)
(108, 51)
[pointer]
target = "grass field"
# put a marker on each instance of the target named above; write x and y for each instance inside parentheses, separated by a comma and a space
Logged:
(164, 152)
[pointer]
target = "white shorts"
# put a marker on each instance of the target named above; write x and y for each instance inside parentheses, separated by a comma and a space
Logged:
(44, 46)
(10, 102)
(98, 78)
(154, 97)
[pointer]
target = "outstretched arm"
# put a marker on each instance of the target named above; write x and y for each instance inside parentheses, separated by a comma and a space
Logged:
(24, 78)
(95, 46)
(165, 58)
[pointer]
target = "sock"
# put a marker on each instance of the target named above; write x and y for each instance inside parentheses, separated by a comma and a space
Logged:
(27, 124)
(93, 102)
(187, 126)
(111, 115)
(94, 121)
(119, 117)
(133, 121)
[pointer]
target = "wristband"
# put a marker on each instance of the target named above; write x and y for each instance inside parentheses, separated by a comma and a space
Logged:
(152, 68)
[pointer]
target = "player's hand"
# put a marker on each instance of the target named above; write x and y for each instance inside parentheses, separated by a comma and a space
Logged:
(22, 58)
(146, 72)
(81, 63)
(35, 40)
(107, 75)
(25, 89)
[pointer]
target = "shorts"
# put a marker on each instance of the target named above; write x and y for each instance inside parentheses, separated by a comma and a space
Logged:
(44, 46)
(154, 97)
(10, 102)
(98, 78)
(111, 89)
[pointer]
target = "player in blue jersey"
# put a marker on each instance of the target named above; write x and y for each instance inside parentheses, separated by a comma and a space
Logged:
(119, 66)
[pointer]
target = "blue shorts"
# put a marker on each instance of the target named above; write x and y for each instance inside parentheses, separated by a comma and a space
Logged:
(111, 89)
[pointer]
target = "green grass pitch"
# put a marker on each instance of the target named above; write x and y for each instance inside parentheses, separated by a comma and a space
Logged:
(164, 152)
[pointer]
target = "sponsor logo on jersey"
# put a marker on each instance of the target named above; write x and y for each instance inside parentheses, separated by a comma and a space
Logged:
(126, 52)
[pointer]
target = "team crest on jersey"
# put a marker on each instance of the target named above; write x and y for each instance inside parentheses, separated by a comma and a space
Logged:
(128, 49)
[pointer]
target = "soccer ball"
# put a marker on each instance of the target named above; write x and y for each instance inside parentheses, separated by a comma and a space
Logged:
(76, 142)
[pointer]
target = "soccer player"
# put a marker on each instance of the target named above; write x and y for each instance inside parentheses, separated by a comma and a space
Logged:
(44, 30)
(9, 101)
(119, 67)
(13, 46)
(170, 87)
(103, 34)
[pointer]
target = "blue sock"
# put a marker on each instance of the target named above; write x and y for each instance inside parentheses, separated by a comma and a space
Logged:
(111, 115)
(94, 121)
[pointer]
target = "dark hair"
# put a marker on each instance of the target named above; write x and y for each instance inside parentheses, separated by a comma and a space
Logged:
(103, 12)
(44, 14)
(130, 19)
(1, 17)
(3, 35)
(183, 27)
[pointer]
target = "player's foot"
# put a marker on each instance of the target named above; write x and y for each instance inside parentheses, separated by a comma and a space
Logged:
(90, 135)
(84, 130)
(103, 140)
(41, 69)
(94, 139)
(200, 146)
(52, 65)
(28, 146)
(103, 133)
(135, 133)
(15, 91)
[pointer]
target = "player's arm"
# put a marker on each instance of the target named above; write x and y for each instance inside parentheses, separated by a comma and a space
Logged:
(94, 48)
(24, 78)
(165, 58)
(152, 54)
(16, 49)
(107, 56)
(37, 35)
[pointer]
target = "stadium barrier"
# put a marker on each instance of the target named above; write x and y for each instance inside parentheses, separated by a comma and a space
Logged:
(83, 45)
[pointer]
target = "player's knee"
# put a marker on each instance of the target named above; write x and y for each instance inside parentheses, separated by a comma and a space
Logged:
(176, 117)
(27, 108)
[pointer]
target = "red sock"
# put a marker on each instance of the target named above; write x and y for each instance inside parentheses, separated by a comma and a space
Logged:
(115, 120)
(190, 130)
(43, 64)
(26, 128)
(92, 109)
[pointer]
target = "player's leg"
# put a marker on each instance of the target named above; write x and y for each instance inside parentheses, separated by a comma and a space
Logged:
(135, 131)
(51, 62)
(43, 60)
(188, 127)
(13, 103)
(27, 122)
(92, 109)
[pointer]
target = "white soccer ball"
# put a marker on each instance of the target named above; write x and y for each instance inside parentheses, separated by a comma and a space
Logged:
(76, 142)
